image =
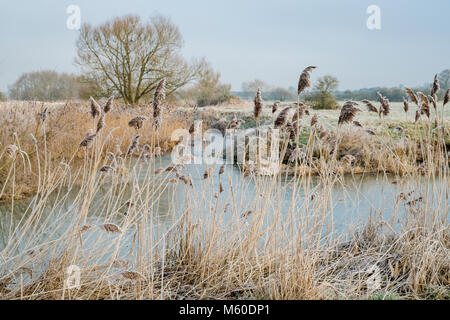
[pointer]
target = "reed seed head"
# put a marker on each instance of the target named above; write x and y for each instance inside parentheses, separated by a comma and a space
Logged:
(436, 87)
(447, 97)
(108, 105)
(258, 105)
(348, 112)
(110, 228)
(405, 105)
(137, 122)
(305, 80)
(412, 96)
(88, 140)
(370, 106)
(95, 108)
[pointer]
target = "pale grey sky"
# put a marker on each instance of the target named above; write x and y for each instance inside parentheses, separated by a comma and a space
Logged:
(248, 39)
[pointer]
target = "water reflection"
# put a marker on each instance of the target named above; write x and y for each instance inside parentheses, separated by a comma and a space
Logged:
(353, 199)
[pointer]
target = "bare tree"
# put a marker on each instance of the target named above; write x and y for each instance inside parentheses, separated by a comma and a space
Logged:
(128, 57)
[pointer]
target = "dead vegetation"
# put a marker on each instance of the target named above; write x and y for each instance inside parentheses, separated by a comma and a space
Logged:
(214, 248)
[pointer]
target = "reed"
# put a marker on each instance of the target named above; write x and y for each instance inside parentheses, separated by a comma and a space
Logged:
(97, 209)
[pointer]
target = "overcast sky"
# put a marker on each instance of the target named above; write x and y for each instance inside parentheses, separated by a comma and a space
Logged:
(246, 39)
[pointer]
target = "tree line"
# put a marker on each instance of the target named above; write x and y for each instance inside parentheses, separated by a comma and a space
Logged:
(126, 58)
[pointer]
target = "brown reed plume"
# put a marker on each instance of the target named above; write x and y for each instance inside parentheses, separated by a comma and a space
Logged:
(85, 228)
(303, 107)
(43, 115)
(101, 122)
(235, 123)
(305, 80)
(385, 107)
(249, 169)
(158, 99)
(110, 228)
(417, 116)
(446, 97)
(133, 145)
(433, 100)
(348, 112)
(424, 104)
(108, 105)
(436, 87)
(357, 124)
(282, 118)
(95, 108)
(186, 180)
(132, 275)
(258, 105)
(107, 169)
(301, 110)
(322, 132)
(137, 122)
(192, 128)
(405, 105)
(87, 141)
(11, 150)
(275, 106)
(292, 129)
(370, 106)
(208, 172)
(412, 96)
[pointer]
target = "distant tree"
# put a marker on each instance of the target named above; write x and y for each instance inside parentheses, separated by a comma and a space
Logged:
(280, 94)
(253, 86)
(90, 89)
(293, 89)
(322, 96)
(444, 79)
(208, 90)
(3, 96)
(128, 57)
(45, 86)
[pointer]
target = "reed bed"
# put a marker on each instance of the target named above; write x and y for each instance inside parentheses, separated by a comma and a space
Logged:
(96, 212)
(45, 143)
(214, 247)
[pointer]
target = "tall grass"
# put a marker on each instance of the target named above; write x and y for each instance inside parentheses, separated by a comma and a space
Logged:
(228, 243)
(44, 144)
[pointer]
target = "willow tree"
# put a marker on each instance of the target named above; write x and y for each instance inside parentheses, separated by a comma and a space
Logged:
(128, 57)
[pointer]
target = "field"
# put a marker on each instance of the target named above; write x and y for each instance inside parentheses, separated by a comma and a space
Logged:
(94, 212)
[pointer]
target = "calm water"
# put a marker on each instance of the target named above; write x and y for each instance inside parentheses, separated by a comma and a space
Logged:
(353, 200)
